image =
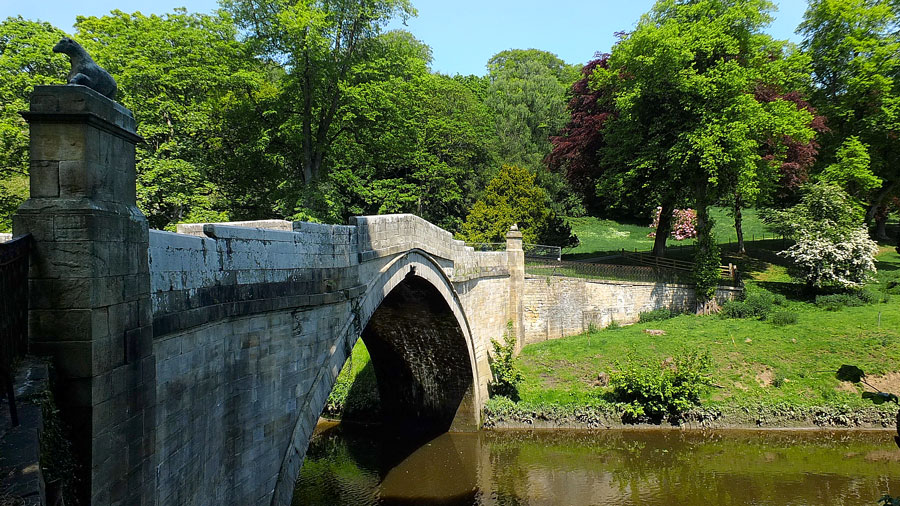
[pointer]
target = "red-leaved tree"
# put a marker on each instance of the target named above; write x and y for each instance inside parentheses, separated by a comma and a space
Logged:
(575, 149)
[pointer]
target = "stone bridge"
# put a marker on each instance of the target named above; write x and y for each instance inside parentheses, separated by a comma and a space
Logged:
(192, 366)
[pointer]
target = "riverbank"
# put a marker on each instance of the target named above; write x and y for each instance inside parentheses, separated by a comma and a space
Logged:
(775, 367)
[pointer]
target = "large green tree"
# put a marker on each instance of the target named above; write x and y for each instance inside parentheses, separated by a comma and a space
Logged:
(855, 50)
(178, 73)
(415, 141)
(320, 44)
(688, 127)
(25, 61)
(527, 98)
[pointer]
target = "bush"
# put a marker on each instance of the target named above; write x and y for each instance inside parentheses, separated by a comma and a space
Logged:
(783, 317)
(655, 315)
(507, 375)
(873, 295)
(666, 391)
(760, 304)
(837, 301)
(613, 325)
(736, 309)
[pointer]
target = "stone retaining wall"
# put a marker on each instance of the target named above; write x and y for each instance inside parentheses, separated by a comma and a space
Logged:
(556, 306)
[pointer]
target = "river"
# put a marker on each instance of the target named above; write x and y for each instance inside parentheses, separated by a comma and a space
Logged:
(611, 467)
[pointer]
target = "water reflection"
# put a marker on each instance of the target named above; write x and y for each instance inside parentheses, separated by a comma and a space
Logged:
(656, 467)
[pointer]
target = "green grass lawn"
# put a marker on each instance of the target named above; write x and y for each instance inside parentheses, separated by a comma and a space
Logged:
(598, 237)
(754, 362)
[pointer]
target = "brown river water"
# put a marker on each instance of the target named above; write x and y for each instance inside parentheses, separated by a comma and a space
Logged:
(611, 467)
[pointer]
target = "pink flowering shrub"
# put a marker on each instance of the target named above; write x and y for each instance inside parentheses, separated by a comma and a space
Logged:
(684, 224)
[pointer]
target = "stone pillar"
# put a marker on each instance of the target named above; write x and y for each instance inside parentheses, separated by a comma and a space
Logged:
(89, 286)
(516, 259)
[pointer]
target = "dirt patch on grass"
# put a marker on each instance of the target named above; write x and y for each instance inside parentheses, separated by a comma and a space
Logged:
(889, 382)
(846, 386)
(766, 377)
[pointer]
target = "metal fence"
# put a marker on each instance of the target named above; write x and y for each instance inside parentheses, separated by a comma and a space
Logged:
(531, 250)
(615, 272)
(13, 312)
(612, 272)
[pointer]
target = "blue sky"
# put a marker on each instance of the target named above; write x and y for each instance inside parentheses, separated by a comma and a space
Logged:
(463, 34)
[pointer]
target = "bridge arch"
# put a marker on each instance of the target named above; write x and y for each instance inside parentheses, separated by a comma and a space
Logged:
(423, 351)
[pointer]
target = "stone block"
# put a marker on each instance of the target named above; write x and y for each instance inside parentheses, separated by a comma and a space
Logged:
(44, 179)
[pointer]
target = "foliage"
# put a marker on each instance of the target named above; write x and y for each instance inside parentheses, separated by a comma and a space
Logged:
(418, 142)
(684, 223)
(655, 315)
(25, 62)
(527, 98)
(663, 391)
(513, 198)
(320, 46)
(852, 170)
(576, 149)
(707, 263)
(831, 247)
(822, 261)
(758, 303)
(688, 126)
(783, 317)
(856, 62)
(180, 74)
(505, 371)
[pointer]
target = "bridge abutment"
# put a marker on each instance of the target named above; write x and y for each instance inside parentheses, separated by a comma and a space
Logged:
(89, 286)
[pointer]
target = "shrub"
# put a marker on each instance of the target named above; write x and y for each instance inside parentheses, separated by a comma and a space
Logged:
(783, 317)
(667, 390)
(760, 304)
(736, 309)
(837, 301)
(684, 224)
(507, 375)
(613, 325)
(655, 315)
(871, 295)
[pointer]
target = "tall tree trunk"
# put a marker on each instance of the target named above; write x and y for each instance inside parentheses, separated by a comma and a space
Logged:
(881, 217)
(885, 190)
(738, 224)
(663, 229)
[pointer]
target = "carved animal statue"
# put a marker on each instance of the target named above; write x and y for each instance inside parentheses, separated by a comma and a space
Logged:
(84, 71)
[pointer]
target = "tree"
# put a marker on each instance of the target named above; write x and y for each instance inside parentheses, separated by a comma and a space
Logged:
(512, 197)
(687, 125)
(832, 247)
(320, 43)
(527, 96)
(25, 62)
(179, 73)
(855, 51)
(417, 142)
(575, 151)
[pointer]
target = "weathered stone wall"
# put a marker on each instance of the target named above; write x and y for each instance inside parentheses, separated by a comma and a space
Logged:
(89, 306)
(252, 325)
(556, 307)
(5, 237)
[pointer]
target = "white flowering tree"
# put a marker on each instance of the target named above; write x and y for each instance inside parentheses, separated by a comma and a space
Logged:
(823, 261)
(832, 247)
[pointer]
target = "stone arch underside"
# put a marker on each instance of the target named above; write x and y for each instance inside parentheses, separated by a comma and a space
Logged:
(422, 349)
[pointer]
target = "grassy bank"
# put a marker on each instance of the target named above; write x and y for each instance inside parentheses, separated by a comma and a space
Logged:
(762, 374)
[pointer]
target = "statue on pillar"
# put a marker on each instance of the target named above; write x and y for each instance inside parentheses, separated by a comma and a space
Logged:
(85, 71)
